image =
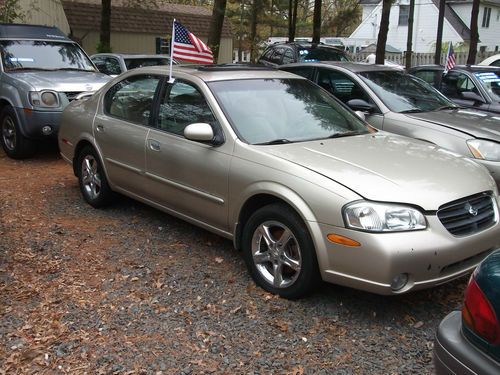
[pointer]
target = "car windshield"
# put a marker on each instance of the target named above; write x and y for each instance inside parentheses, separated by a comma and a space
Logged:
(491, 83)
(138, 62)
(402, 92)
(313, 54)
(43, 55)
(273, 111)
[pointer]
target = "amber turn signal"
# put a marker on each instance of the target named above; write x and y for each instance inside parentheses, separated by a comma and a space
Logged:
(336, 238)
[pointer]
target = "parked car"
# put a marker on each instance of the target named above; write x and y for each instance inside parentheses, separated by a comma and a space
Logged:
(302, 185)
(403, 104)
(41, 72)
(286, 53)
(114, 64)
(468, 342)
(492, 61)
(469, 86)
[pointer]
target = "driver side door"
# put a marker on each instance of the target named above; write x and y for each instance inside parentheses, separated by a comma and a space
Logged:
(187, 177)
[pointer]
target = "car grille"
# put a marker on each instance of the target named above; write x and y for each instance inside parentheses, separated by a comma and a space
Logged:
(468, 215)
(71, 95)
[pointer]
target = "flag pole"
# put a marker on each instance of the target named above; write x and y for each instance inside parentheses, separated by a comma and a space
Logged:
(170, 78)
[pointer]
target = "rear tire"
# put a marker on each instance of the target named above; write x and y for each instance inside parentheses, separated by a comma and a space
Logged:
(279, 252)
(92, 179)
(14, 143)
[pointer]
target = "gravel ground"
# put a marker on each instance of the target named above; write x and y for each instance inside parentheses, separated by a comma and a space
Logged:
(130, 290)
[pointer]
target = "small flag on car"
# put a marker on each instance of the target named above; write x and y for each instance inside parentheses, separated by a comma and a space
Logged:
(450, 58)
(188, 47)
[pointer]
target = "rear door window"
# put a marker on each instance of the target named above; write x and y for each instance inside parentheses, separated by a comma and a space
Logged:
(132, 99)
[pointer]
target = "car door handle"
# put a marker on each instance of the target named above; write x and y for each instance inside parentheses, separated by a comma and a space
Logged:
(154, 145)
(100, 128)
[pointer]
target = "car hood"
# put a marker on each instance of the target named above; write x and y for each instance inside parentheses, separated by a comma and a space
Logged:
(63, 80)
(389, 168)
(476, 123)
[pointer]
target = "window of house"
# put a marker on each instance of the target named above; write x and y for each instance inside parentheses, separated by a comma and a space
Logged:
(404, 11)
(486, 17)
(132, 99)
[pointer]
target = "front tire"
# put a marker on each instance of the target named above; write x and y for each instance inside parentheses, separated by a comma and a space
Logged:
(14, 143)
(279, 252)
(92, 179)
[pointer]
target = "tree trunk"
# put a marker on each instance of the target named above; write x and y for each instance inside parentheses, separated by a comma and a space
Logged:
(439, 37)
(253, 30)
(382, 33)
(474, 33)
(317, 21)
(218, 12)
(105, 37)
(409, 40)
(292, 19)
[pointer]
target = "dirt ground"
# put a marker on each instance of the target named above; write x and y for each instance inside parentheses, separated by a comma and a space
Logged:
(130, 290)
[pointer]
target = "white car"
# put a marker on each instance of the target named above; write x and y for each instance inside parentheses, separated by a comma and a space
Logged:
(492, 60)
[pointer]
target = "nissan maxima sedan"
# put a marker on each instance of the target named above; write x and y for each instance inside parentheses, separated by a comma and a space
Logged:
(303, 186)
(400, 103)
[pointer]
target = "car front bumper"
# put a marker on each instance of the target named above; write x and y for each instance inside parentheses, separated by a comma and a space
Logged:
(430, 257)
(454, 354)
(32, 123)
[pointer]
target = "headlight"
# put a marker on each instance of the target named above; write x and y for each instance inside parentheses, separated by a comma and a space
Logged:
(44, 99)
(486, 150)
(380, 217)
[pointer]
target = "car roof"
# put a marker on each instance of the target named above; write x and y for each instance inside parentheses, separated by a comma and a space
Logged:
(40, 32)
(355, 67)
(468, 68)
(132, 55)
(223, 72)
(303, 44)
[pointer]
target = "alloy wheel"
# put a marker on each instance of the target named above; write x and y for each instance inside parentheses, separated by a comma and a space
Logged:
(9, 133)
(91, 180)
(276, 254)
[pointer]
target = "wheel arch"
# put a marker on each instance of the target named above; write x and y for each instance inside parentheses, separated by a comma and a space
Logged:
(264, 197)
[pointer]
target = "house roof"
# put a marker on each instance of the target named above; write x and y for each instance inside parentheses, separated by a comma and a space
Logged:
(449, 14)
(86, 15)
(455, 21)
(373, 48)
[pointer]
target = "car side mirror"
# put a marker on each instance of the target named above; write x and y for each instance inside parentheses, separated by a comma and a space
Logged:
(199, 132)
(469, 95)
(360, 105)
(361, 115)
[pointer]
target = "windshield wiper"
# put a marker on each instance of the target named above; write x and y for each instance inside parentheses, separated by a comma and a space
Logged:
(279, 141)
(413, 110)
(345, 134)
(27, 68)
(446, 107)
(77, 69)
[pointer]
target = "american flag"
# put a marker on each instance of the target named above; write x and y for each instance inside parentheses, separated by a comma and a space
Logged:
(187, 47)
(450, 58)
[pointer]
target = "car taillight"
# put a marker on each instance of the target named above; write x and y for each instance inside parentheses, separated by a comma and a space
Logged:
(478, 314)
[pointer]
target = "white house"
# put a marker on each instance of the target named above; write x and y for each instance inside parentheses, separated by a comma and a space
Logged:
(455, 29)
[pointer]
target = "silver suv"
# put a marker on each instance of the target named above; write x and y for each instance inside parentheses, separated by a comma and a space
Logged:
(301, 184)
(41, 72)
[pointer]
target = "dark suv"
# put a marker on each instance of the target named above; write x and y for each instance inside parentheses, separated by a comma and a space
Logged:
(287, 53)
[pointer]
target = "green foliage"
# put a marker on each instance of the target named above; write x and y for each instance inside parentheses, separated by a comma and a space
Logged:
(103, 49)
(11, 11)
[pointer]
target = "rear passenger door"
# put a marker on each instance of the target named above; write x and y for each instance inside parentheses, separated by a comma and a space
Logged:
(188, 177)
(121, 129)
